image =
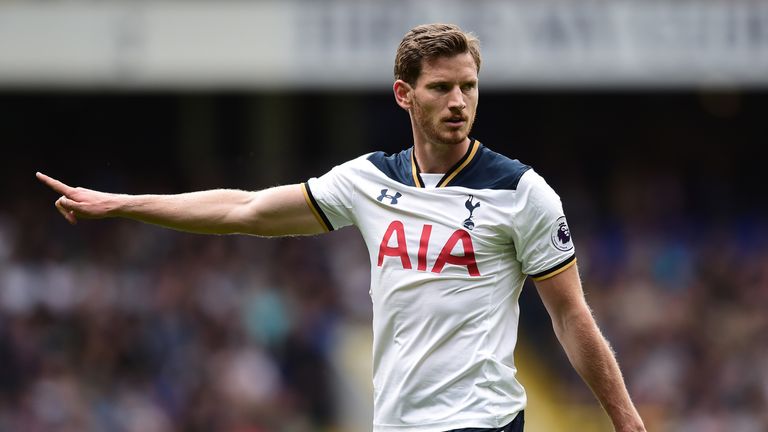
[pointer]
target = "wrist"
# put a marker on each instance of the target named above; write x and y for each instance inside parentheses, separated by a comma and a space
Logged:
(121, 205)
(636, 425)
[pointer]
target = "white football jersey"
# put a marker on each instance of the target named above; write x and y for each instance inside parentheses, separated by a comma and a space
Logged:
(447, 267)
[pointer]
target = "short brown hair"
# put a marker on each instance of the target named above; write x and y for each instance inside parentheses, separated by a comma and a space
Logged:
(428, 41)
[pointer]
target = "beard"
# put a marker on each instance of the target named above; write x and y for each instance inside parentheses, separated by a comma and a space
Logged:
(436, 130)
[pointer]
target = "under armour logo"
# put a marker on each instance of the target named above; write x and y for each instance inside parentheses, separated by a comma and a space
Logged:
(392, 198)
(471, 206)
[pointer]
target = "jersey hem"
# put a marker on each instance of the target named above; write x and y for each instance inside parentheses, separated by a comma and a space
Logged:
(448, 425)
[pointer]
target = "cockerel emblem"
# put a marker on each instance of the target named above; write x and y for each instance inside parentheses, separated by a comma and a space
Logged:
(471, 206)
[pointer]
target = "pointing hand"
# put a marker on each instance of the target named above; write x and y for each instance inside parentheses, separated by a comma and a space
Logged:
(77, 202)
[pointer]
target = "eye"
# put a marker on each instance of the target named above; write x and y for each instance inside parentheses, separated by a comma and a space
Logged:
(468, 86)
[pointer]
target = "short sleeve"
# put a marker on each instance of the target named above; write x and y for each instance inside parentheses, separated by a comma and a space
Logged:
(542, 238)
(331, 195)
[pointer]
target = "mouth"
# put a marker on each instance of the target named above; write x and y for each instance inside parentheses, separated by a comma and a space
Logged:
(455, 121)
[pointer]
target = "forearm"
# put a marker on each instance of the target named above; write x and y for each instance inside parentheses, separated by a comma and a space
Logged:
(217, 211)
(591, 356)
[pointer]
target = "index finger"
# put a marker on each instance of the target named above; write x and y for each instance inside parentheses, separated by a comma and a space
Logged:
(53, 183)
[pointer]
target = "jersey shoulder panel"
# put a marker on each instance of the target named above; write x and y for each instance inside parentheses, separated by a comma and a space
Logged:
(491, 170)
(397, 166)
(542, 237)
(331, 197)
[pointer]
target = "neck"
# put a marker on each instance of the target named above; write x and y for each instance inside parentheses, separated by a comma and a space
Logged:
(439, 158)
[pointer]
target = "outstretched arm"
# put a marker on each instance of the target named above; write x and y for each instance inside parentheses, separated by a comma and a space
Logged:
(277, 211)
(587, 349)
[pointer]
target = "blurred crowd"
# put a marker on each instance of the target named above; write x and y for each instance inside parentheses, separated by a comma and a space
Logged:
(684, 309)
(127, 327)
(120, 326)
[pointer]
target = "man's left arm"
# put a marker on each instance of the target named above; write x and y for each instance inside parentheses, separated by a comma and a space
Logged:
(586, 348)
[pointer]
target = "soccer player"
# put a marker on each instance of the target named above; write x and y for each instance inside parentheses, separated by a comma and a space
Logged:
(453, 229)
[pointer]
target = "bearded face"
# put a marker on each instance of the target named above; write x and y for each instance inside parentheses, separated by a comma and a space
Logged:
(445, 100)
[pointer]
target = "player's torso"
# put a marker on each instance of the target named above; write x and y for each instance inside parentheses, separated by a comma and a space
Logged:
(441, 260)
(444, 271)
(459, 231)
(444, 233)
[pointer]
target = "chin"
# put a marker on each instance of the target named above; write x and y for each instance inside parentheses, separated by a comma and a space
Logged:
(445, 136)
(454, 138)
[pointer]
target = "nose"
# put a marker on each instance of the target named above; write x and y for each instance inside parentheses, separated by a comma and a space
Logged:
(456, 101)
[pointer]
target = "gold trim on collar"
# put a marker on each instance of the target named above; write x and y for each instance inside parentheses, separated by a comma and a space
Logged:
(472, 152)
(415, 169)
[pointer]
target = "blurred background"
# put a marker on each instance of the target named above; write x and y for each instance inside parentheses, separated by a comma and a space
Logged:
(648, 118)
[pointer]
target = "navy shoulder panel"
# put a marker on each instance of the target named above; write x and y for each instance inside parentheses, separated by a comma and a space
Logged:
(396, 166)
(491, 170)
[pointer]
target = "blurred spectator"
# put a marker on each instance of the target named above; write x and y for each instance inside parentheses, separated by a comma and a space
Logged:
(167, 332)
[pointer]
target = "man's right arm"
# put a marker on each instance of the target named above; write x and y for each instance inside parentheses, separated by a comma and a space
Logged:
(277, 211)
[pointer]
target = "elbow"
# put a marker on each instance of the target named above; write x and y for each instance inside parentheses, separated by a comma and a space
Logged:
(243, 218)
(255, 218)
(250, 224)
(578, 320)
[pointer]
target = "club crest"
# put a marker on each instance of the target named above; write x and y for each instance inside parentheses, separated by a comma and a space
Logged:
(471, 206)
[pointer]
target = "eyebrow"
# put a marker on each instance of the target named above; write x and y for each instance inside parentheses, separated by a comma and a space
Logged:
(444, 81)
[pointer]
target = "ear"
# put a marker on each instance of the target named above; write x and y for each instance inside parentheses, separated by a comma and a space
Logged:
(403, 93)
